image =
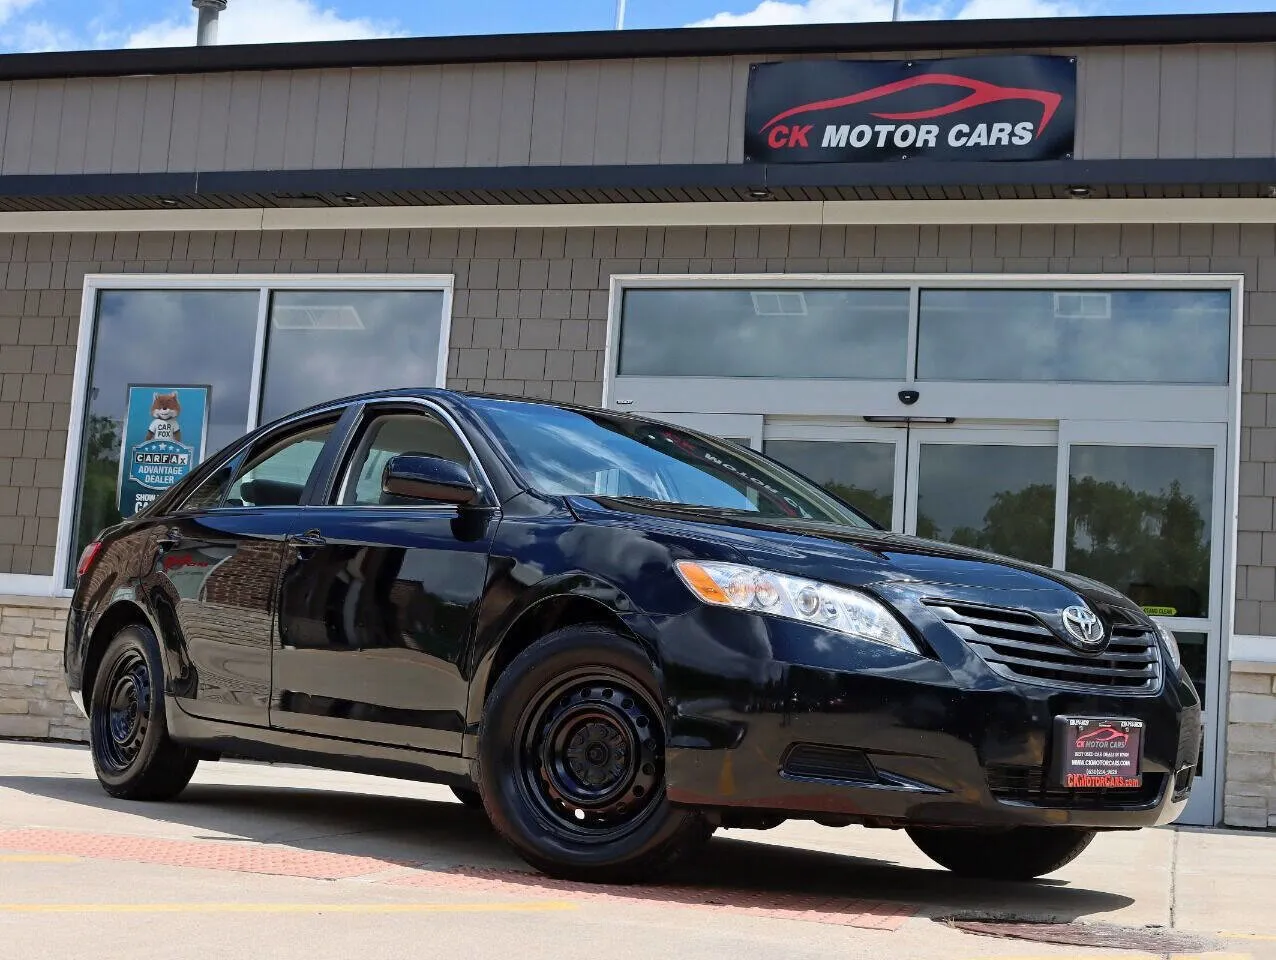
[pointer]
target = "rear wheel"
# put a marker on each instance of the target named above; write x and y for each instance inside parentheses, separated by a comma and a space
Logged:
(571, 761)
(133, 756)
(1019, 853)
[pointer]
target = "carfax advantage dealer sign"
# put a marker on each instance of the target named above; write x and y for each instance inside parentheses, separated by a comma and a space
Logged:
(858, 111)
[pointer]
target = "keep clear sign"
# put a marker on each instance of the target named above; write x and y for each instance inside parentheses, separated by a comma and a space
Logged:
(164, 433)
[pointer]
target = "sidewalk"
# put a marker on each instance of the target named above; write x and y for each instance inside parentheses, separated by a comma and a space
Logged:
(303, 844)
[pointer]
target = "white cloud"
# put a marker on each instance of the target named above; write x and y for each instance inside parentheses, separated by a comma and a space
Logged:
(772, 12)
(813, 11)
(261, 21)
(9, 7)
(40, 36)
(1006, 9)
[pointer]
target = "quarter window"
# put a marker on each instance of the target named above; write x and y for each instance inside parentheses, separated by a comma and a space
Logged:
(276, 476)
(212, 491)
(387, 437)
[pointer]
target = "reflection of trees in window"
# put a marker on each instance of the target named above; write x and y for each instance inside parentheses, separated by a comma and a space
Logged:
(869, 502)
(99, 507)
(1019, 523)
(1153, 546)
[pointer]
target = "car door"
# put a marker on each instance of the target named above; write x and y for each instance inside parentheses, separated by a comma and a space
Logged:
(217, 561)
(376, 604)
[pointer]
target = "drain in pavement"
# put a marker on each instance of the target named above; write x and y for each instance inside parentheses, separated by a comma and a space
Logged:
(1099, 935)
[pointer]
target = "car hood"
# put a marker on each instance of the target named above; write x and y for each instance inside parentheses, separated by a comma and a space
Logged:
(858, 556)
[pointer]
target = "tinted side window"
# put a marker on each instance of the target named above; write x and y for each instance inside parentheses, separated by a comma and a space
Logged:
(212, 491)
(275, 475)
(388, 436)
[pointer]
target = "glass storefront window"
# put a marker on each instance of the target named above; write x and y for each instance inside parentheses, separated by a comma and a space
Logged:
(328, 344)
(1076, 335)
(855, 334)
(862, 473)
(160, 337)
(321, 343)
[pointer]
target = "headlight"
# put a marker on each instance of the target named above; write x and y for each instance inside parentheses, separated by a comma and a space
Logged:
(809, 601)
(1172, 645)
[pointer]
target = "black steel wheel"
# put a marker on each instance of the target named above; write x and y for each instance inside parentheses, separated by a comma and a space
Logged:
(120, 721)
(571, 761)
(591, 755)
(133, 755)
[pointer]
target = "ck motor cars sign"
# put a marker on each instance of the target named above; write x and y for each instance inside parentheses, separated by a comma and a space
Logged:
(857, 111)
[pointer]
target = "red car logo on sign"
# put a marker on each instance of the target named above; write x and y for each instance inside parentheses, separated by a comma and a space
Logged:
(1104, 735)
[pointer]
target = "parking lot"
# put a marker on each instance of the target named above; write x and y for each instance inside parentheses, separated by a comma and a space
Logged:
(287, 862)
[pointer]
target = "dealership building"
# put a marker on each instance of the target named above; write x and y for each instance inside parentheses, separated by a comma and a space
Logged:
(1010, 284)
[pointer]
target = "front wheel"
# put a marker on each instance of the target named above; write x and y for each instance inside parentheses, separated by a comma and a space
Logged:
(1019, 853)
(133, 756)
(571, 761)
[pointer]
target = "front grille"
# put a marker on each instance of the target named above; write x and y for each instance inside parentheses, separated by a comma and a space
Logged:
(1018, 645)
(821, 761)
(1029, 785)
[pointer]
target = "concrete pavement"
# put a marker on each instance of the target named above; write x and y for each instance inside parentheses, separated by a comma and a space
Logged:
(285, 862)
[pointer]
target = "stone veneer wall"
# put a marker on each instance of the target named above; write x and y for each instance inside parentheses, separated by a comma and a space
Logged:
(33, 696)
(1249, 793)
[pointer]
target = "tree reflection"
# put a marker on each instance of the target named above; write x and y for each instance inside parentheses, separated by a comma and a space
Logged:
(99, 507)
(871, 503)
(1155, 547)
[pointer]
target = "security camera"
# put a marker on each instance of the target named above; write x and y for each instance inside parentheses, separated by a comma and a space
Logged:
(908, 397)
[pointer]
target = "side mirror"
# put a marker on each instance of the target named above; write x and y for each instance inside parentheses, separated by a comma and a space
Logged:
(417, 476)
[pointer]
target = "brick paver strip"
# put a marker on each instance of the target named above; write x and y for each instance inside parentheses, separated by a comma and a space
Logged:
(279, 860)
(872, 914)
(246, 857)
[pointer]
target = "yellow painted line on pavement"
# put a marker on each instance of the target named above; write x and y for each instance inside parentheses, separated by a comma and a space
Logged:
(530, 907)
(37, 858)
(1248, 936)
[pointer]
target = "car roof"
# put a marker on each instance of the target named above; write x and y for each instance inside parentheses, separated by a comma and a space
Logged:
(456, 396)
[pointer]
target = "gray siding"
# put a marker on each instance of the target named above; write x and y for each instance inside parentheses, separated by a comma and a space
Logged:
(1134, 102)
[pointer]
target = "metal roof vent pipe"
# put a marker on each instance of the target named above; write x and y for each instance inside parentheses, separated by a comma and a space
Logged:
(209, 11)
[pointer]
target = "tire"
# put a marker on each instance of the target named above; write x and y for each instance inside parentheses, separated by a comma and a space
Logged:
(133, 756)
(468, 796)
(1020, 853)
(571, 762)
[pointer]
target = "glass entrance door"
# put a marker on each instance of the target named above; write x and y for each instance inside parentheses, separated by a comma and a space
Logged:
(1143, 510)
(992, 488)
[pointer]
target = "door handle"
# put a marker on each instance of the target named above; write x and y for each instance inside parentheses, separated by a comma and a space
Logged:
(307, 543)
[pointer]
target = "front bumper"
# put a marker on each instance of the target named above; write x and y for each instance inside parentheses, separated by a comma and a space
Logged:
(916, 743)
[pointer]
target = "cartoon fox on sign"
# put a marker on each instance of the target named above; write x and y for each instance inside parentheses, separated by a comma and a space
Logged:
(165, 409)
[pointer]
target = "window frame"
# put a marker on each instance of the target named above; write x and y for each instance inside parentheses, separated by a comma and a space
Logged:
(343, 456)
(265, 285)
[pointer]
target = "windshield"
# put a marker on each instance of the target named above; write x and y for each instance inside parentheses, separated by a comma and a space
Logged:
(571, 453)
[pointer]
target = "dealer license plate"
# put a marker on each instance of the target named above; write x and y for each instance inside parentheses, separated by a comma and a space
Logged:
(1098, 753)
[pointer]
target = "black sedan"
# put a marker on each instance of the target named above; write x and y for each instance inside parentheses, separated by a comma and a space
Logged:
(616, 636)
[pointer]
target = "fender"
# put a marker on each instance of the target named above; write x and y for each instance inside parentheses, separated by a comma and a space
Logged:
(494, 627)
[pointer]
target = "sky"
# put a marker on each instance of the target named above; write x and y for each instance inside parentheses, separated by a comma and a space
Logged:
(43, 25)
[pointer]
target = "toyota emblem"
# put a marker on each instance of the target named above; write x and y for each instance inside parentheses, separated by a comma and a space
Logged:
(1083, 626)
